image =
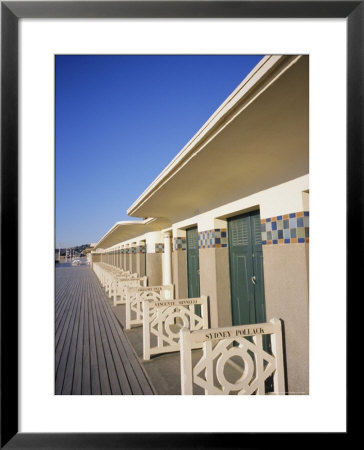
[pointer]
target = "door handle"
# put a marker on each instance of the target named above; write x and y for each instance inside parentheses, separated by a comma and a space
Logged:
(254, 279)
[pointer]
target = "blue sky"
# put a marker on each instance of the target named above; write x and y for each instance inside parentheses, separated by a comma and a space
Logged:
(120, 119)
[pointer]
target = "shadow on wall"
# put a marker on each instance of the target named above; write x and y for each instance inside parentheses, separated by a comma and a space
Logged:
(284, 355)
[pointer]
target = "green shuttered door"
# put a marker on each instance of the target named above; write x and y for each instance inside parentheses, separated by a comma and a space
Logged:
(193, 265)
(246, 269)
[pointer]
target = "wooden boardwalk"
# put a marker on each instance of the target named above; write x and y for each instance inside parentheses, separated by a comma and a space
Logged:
(92, 354)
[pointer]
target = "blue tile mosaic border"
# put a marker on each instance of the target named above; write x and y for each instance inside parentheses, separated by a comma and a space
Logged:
(159, 248)
(216, 238)
(180, 244)
(290, 228)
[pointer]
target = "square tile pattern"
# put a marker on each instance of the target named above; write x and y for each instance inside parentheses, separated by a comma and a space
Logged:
(180, 244)
(290, 228)
(159, 248)
(212, 238)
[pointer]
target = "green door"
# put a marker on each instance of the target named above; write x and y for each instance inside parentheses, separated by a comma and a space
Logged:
(246, 269)
(193, 272)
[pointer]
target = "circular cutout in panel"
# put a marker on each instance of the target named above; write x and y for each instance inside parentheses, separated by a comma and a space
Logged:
(247, 374)
(173, 329)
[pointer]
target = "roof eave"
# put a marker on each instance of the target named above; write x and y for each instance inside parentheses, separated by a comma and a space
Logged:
(250, 82)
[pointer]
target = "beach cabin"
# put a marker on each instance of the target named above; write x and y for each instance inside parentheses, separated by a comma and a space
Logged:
(228, 218)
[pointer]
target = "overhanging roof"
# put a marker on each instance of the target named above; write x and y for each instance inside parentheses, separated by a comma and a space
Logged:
(123, 231)
(257, 138)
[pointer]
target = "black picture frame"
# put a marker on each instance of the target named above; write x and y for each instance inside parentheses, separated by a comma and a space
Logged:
(11, 12)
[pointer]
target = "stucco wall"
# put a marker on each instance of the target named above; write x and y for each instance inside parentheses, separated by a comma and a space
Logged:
(96, 257)
(277, 200)
(223, 287)
(215, 283)
(140, 264)
(133, 263)
(286, 297)
(179, 267)
(154, 268)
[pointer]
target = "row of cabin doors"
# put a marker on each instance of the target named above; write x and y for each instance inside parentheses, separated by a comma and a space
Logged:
(246, 268)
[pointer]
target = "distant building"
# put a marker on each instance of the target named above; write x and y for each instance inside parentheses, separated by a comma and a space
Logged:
(229, 216)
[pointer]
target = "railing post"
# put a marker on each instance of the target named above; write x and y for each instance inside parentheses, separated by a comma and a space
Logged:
(186, 362)
(127, 310)
(277, 350)
(205, 316)
(138, 306)
(146, 334)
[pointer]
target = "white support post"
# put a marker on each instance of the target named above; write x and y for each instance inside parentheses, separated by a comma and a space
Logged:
(167, 259)
(160, 326)
(186, 362)
(277, 350)
(259, 363)
(204, 312)
(116, 290)
(146, 335)
(127, 310)
(138, 307)
(192, 319)
(207, 353)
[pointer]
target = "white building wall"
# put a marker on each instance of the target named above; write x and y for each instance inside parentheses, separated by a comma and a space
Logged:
(282, 199)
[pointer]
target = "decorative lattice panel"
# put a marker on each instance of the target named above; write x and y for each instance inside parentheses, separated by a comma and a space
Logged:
(237, 360)
(122, 286)
(134, 302)
(162, 322)
(108, 275)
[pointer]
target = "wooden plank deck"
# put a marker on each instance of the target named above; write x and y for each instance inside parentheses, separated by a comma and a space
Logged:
(92, 354)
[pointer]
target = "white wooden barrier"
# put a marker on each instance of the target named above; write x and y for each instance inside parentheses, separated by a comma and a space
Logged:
(112, 288)
(116, 280)
(134, 301)
(109, 282)
(159, 319)
(218, 349)
(121, 286)
(107, 273)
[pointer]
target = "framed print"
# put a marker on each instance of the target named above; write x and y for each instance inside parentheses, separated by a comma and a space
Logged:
(35, 35)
